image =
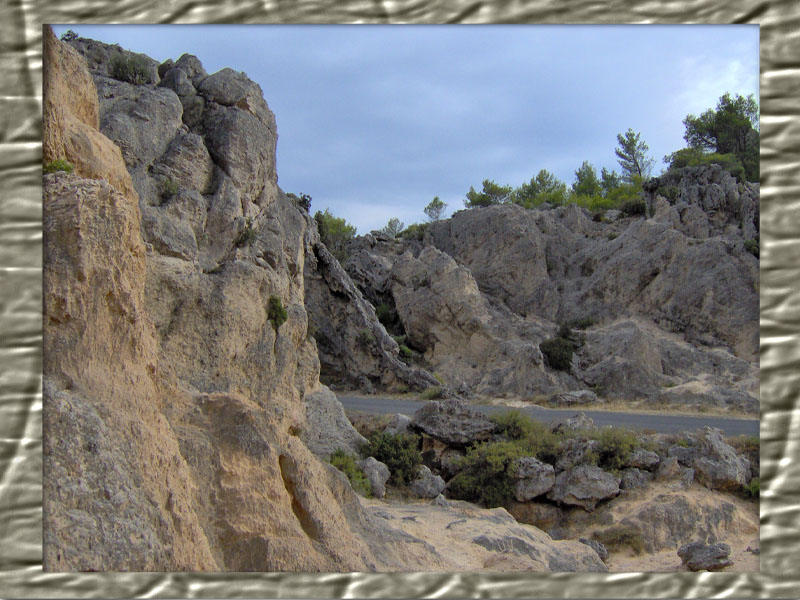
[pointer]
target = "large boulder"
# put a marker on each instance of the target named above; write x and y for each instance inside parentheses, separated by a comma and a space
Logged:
(453, 422)
(327, 428)
(427, 484)
(584, 486)
(533, 478)
(716, 465)
(377, 473)
(698, 556)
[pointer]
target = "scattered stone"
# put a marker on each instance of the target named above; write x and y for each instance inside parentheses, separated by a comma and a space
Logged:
(575, 423)
(377, 473)
(427, 485)
(534, 478)
(576, 451)
(398, 425)
(643, 459)
(717, 466)
(584, 486)
(453, 422)
(573, 398)
(699, 556)
(633, 478)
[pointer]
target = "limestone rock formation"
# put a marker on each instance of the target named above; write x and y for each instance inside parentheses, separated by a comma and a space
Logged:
(534, 478)
(705, 557)
(427, 484)
(355, 349)
(452, 422)
(663, 309)
(377, 473)
(584, 486)
(716, 465)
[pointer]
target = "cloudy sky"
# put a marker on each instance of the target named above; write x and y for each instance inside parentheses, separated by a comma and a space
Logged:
(374, 121)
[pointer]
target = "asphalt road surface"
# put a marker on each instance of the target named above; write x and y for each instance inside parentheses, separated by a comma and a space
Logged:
(652, 422)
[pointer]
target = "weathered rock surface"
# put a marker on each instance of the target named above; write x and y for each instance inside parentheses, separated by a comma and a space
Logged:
(471, 345)
(377, 473)
(534, 478)
(452, 422)
(704, 557)
(354, 347)
(601, 550)
(716, 465)
(584, 486)
(675, 309)
(467, 539)
(327, 428)
(426, 484)
(643, 459)
(175, 406)
(662, 518)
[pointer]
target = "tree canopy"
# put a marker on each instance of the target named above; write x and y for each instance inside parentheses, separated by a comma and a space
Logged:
(632, 156)
(335, 233)
(435, 209)
(492, 193)
(545, 187)
(393, 227)
(586, 181)
(731, 128)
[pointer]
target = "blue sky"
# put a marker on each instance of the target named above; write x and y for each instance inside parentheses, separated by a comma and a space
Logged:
(374, 121)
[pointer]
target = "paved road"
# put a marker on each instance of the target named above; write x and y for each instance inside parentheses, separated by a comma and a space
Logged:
(653, 422)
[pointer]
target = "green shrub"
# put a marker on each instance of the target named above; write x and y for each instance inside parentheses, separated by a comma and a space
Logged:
(634, 207)
(753, 489)
(485, 473)
(694, 157)
(752, 246)
(406, 352)
(129, 67)
(169, 188)
(616, 445)
(247, 235)
(58, 165)
(558, 352)
(276, 313)
(347, 465)
(335, 233)
(398, 452)
(612, 236)
(616, 537)
(415, 231)
(365, 338)
(535, 438)
(432, 393)
(68, 36)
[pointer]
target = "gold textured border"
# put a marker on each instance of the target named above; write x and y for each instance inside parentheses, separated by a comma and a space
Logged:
(21, 574)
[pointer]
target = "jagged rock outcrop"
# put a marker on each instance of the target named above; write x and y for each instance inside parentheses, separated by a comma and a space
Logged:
(473, 347)
(584, 486)
(453, 423)
(355, 349)
(705, 557)
(172, 403)
(671, 303)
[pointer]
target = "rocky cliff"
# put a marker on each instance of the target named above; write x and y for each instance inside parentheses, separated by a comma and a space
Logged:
(661, 309)
(183, 413)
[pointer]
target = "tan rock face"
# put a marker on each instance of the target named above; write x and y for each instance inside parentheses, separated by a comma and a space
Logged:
(172, 401)
(71, 118)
